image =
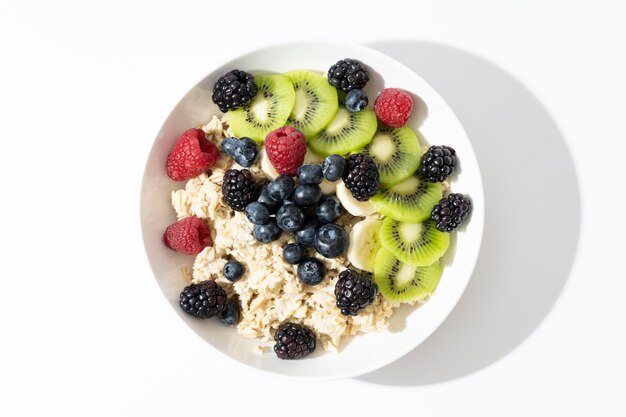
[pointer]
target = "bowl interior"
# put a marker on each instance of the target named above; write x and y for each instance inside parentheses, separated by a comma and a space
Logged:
(409, 326)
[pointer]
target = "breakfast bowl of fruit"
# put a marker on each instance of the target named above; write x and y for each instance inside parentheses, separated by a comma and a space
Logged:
(313, 210)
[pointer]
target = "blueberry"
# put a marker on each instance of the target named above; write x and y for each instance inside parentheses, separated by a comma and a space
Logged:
(246, 153)
(333, 167)
(331, 240)
(294, 253)
(356, 100)
(265, 199)
(233, 270)
(266, 233)
(230, 315)
(257, 213)
(281, 188)
(328, 210)
(306, 236)
(290, 217)
(310, 174)
(307, 195)
(311, 271)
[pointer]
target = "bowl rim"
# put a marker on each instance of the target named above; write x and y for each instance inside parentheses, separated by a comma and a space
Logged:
(477, 198)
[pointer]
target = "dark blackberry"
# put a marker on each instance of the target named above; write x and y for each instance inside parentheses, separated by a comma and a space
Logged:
(234, 90)
(354, 292)
(294, 341)
(238, 188)
(361, 176)
(451, 211)
(348, 74)
(203, 300)
(438, 163)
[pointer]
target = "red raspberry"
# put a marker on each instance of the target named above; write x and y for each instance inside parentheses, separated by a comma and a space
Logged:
(393, 107)
(285, 148)
(189, 236)
(192, 155)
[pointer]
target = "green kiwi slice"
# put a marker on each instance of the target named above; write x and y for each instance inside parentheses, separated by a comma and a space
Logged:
(418, 244)
(316, 102)
(396, 153)
(268, 111)
(346, 132)
(411, 200)
(402, 282)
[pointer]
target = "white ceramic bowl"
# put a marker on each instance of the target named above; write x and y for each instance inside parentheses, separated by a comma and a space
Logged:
(409, 326)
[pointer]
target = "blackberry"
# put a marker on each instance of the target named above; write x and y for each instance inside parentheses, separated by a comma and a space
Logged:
(438, 163)
(451, 211)
(348, 74)
(294, 341)
(354, 292)
(234, 90)
(238, 188)
(361, 176)
(203, 300)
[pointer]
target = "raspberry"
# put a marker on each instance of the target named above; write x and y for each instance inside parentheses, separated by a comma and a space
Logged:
(285, 148)
(189, 236)
(393, 107)
(192, 155)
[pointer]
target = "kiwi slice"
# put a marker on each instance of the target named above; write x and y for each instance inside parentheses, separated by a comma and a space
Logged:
(346, 132)
(402, 282)
(411, 200)
(316, 102)
(268, 111)
(396, 153)
(418, 244)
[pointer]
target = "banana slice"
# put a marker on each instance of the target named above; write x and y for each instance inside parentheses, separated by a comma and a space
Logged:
(311, 158)
(364, 244)
(351, 204)
(328, 187)
(267, 167)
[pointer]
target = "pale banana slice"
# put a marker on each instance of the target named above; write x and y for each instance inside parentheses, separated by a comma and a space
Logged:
(351, 204)
(364, 244)
(267, 167)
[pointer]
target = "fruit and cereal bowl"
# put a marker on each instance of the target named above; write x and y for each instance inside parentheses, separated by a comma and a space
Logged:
(313, 210)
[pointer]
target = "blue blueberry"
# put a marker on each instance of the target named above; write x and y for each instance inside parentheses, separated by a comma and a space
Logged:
(265, 199)
(331, 240)
(266, 233)
(257, 213)
(306, 236)
(290, 217)
(307, 195)
(333, 167)
(294, 253)
(233, 270)
(310, 174)
(356, 100)
(311, 271)
(230, 315)
(281, 188)
(244, 151)
(229, 145)
(328, 210)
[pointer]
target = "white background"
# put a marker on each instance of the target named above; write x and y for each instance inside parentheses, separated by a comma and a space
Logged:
(84, 88)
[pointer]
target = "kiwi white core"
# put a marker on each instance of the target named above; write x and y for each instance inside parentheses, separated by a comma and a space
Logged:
(302, 102)
(342, 118)
(382, 147)
(260, 107)
(406, 273)
(410, 232)
(407, 186)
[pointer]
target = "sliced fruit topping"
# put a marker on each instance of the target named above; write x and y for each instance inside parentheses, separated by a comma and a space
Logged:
(268, 111)
(348, 74)
(396, 153)
(402, 282)
(285, 148)
(414, 243)
(361, 176)
(451, 211)
(364, 244)
(346, 132)
(354, 292)
(411, 200)
(233, 90)
(393, 107)
(316, 102)
(351, 204)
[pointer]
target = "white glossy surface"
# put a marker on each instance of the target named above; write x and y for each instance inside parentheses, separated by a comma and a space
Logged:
(409, 326)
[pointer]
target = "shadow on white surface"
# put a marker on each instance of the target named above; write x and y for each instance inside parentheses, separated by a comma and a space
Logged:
(532, 216)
